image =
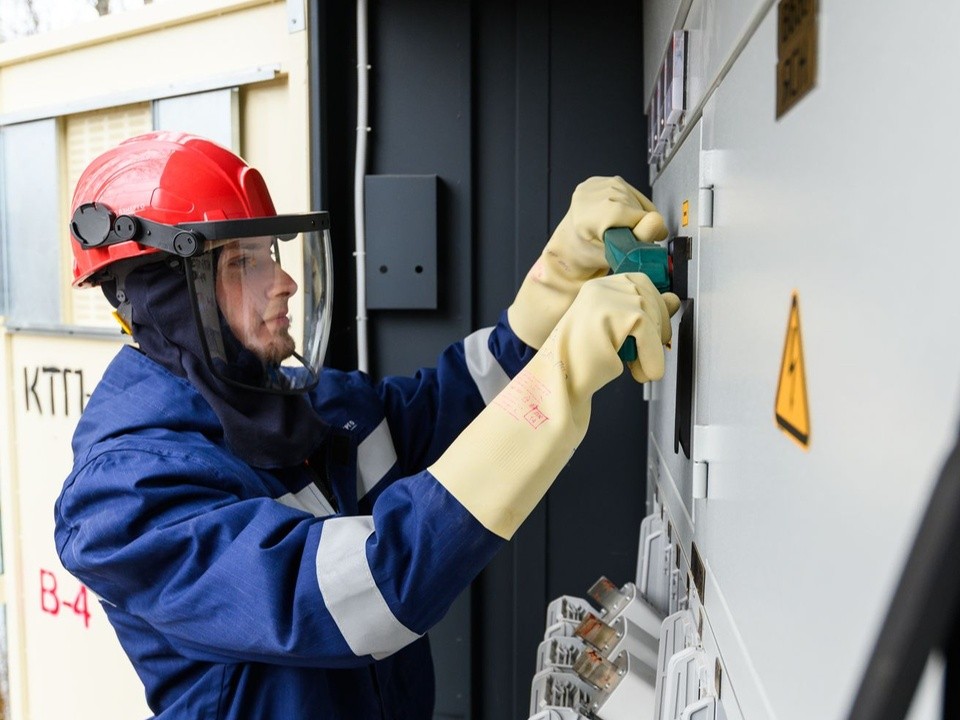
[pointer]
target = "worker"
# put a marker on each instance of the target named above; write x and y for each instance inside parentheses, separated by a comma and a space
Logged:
(273, 539)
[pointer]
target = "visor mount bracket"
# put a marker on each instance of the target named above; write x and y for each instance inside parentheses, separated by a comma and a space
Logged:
(185, 244)
(91, 224)
(126, 227)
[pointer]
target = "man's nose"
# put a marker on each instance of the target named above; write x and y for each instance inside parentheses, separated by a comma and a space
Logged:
(283, 284)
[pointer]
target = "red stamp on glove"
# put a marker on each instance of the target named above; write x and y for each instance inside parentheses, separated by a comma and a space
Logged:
(535, 417)
(521, 400)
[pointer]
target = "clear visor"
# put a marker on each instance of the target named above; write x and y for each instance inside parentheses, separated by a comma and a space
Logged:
(262, 304)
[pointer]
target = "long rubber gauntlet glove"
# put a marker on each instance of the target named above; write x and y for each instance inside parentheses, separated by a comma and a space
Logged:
(503, 462)
(574, 253)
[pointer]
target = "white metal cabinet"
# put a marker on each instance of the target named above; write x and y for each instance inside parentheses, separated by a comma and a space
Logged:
(845, 201)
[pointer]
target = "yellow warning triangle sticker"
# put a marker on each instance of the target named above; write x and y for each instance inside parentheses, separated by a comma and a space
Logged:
(792, 411)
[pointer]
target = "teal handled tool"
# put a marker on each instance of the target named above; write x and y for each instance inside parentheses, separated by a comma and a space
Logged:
(625, 253)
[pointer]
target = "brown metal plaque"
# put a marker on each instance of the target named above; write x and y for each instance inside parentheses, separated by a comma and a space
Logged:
(796, 51)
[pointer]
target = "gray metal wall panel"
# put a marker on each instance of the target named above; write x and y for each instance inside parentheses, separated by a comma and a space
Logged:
(33, 227)
(214, 115)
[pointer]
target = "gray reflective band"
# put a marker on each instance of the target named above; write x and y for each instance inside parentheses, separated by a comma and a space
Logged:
(375, 456)
(350, 592)
(310, 500)
(486, 372)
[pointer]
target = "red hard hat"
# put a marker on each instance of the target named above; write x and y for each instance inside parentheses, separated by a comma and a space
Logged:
(170, 178)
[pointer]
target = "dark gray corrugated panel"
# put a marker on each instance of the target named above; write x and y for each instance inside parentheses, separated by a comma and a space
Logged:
(333, 76)
(318, 97)
(510, 104)
(499, 682)
(572, 85)
(420, 119)
(597, 127)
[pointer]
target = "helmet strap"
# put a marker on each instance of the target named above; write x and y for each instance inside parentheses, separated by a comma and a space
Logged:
(123, 312)
(123, 319)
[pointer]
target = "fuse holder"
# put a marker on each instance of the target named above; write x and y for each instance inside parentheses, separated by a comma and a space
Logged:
(620, 635)
(622, 685)
(626, 601)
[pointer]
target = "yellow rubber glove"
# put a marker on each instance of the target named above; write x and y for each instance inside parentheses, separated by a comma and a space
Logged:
(503, 462)
(574, 253)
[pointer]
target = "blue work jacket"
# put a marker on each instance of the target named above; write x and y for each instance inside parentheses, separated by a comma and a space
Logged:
(243, 593)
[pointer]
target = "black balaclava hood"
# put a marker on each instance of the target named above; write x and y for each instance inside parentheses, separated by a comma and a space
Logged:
(265, 430)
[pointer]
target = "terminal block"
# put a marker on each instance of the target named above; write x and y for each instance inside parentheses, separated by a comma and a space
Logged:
(559, 653)
(557, 714)
(686, 684)
(560, 691)
(567, 608)
(707, 708)
(677, 634)
(564, 614)
(622, 685)
(658, 576)
(687, 691)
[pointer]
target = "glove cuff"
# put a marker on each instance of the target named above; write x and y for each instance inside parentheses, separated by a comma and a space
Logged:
(503, 463)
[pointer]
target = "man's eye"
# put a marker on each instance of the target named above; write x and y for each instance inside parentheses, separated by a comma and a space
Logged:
(240, 262)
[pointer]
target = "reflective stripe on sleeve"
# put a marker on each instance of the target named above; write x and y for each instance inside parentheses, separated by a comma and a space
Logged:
(486, 372)
(375, 456)
(350, 592)
(309, 499)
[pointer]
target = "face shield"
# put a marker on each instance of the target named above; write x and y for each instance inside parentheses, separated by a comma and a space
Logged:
(261, 293)
(260, 288)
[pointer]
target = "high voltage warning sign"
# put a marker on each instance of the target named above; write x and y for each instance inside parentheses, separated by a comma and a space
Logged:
(792, 412)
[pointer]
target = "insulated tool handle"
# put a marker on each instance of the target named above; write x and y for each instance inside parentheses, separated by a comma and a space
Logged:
(625, 253)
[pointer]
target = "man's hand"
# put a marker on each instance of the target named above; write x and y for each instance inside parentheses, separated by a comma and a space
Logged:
(575, 253)
(604, 314)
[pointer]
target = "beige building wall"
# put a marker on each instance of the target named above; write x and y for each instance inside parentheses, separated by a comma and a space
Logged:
(100, 81)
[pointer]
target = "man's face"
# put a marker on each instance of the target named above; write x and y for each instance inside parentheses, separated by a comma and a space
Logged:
(252, 292)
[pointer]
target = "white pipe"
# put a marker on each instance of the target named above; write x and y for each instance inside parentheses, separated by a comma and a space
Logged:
(360, 170)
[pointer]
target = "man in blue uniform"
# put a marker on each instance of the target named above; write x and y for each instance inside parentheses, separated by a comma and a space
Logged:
(273, 539)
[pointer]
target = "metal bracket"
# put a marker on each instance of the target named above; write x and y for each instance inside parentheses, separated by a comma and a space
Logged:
(296, 16)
